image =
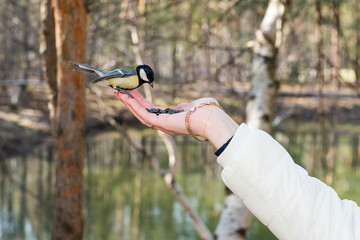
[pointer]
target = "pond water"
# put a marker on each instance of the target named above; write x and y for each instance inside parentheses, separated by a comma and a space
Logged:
(125, 199)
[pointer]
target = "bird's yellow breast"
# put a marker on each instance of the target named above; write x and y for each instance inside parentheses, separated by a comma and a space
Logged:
(125, 83)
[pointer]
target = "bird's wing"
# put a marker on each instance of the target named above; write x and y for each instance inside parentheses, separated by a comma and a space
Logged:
(87, 68)
(117, 73)
(133, 67)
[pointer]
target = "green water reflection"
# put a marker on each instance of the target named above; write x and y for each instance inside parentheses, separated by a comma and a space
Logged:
(125, 199)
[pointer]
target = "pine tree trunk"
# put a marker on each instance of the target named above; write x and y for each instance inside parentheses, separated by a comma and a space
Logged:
(235, 219)
(70, 31)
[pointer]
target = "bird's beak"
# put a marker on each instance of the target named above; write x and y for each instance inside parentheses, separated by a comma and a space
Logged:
(151, 84)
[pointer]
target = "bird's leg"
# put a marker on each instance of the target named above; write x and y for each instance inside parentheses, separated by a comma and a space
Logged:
(124, 91)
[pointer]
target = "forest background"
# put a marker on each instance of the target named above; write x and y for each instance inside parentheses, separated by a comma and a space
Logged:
(196, 49)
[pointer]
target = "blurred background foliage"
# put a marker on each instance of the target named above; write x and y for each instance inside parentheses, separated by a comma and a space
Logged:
(188, 40)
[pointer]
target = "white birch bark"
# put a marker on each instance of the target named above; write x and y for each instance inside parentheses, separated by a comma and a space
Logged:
(235, 218)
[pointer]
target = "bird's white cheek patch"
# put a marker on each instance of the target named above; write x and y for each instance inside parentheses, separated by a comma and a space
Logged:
(143, 75)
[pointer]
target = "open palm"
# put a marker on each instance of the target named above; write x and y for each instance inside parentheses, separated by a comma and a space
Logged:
(173, 124)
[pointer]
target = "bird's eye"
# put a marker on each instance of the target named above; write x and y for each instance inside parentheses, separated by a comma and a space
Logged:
(143, 75)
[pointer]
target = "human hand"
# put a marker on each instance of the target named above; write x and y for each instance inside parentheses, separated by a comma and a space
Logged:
(209, 122)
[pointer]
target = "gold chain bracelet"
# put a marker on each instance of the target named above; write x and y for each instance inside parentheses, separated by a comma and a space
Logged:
(187, 119)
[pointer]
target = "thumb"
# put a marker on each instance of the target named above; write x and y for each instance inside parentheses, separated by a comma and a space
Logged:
(181, 106)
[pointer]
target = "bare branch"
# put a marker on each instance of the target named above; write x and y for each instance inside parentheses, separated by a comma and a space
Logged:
(167, 176)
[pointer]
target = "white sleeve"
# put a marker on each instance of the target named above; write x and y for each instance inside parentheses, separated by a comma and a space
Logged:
(281, 194)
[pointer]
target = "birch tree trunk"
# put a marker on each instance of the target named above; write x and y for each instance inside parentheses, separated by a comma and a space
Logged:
(70, 31)
(235, 218)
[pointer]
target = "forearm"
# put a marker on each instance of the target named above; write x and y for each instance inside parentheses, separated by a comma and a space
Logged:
(281, 194)
(259, 171)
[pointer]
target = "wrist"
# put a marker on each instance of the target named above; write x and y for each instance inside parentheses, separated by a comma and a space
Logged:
(219, 127)
(221, 130)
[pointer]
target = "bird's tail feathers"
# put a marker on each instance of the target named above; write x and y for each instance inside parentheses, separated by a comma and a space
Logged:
(86, 68)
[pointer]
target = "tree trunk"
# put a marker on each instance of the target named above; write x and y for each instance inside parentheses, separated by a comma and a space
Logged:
(175, 62)
(70, 31)
(335, 87)
(335, 44)
(259, 108)
(234, 221)
(26, 45)
(357, 42)
(48, 57)
(321, 81)
(189, 69)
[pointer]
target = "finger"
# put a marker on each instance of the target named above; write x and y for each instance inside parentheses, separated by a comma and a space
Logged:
(181, 106)
(138, 110)
(144, 102)
(206, 100)
(120, 95)
(163, 122)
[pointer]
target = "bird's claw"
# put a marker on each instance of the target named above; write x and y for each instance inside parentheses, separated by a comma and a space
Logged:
(124, 91)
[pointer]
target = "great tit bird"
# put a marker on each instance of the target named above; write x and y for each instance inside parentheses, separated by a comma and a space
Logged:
(121, 79)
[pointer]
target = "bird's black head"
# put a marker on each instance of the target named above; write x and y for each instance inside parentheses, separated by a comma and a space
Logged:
(145, 74)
